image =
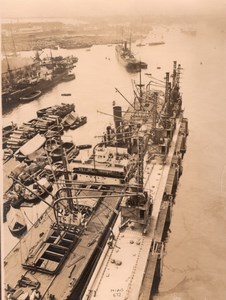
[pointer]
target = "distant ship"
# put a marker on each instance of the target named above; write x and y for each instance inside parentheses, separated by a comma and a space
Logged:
(156, 43)
(127, 59)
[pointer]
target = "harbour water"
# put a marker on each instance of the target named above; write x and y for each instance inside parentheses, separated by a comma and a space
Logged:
(194, 265)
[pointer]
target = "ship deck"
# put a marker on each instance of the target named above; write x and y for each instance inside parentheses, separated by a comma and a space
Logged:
(62, 284)
(121, 269)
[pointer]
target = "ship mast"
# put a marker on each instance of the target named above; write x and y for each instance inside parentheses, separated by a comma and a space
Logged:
(14, 46)
(11, 78)
(130, 39)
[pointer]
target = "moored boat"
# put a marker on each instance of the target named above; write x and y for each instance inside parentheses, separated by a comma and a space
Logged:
(69, 77)
(30, 97)
(59, 110)
(84, 146)
(21, 86)
(66, 94)
(7, 130)
(37, 191)
(66, 147)
(30, 147)
(54, 131)
(156, 43)
(79, 122)
(16, 222)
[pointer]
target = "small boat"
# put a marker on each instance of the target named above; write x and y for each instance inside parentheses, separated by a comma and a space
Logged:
(73, 121)
(56, 167)
(54, 131)
(156, 43)
(37, 191)
(51, 144)
(7, 154)
(16, 222)
(31, 96)
(30, 173)
(66, 94)
(8, 129)
(84, 146)
(79, 122)
(69, 120)
(73, 154)
(69, 77)
(56, 154)
(143, 65)
(58, 110)
(30, 147)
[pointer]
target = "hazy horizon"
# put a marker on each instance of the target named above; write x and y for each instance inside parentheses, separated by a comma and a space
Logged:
(11, 9)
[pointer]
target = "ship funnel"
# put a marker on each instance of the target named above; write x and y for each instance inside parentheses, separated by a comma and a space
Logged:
(108, 129)
(117, 112)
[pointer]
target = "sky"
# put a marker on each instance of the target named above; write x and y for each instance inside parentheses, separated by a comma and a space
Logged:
(73, 8)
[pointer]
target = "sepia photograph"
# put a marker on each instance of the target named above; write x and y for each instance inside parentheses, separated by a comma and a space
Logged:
(113, 165)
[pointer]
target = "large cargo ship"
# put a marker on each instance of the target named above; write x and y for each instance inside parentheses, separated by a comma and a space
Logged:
(21, 84)
(102, 236)
(130, 262)
(127, 59)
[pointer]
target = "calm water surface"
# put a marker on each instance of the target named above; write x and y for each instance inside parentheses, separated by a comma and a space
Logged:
(195, 260)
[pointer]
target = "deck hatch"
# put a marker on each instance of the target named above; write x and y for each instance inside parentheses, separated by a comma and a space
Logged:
(52, 253)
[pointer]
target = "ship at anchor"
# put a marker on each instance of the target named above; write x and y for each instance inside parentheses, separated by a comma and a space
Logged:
(127, 59)
(101, 237)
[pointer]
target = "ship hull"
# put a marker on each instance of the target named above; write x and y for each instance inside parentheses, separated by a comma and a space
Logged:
(70, 279)
(131, 65)
(10, 100)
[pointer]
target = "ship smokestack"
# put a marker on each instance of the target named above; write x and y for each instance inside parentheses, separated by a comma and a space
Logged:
(117, 112)
(108, 129)
(174, 72)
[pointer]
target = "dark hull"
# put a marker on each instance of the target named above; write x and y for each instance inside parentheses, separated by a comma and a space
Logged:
(83, 280)
(156, 43)
(36, 198)
(69, 77)
(11, 100)
(78, 124)
(31, 97)
(128, 61)
(60, 111)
